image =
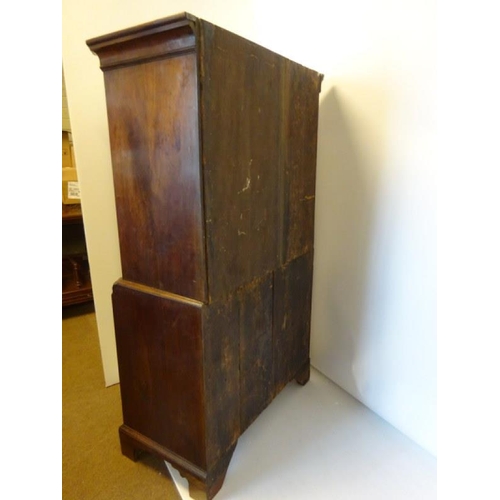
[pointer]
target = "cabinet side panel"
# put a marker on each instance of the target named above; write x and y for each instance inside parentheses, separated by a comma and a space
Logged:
(159, 350)
(221, 349)
(292, 318)
(299, 129)
(256, 348)
(240, 130)
(153, 123)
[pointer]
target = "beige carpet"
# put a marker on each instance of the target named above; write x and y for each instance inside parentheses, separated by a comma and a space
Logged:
(93, 467)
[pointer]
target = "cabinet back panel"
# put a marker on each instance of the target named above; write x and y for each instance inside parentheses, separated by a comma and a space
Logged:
(291, 318)
(241, 133)
(300, 127)
(256, 348)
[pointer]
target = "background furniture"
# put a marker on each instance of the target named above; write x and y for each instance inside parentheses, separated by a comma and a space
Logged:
(76, 284)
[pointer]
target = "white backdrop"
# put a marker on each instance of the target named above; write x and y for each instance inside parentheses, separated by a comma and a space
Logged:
(374, 296)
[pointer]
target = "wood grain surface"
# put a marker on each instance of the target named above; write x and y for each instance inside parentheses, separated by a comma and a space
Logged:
(153, 116)
(213, 142)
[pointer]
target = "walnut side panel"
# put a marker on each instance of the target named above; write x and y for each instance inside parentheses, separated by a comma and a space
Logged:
(159, 349)
(153, 121)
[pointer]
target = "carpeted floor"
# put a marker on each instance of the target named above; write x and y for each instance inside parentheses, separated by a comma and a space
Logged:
(93, 467)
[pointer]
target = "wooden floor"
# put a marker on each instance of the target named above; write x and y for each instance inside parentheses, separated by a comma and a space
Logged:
(92, 465)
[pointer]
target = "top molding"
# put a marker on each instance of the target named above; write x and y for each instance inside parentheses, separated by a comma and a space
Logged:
(164, 37)
(153, 27)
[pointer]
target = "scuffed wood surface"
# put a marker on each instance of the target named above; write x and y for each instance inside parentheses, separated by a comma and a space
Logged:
(240, 126)
(256, 348)
(213, 142)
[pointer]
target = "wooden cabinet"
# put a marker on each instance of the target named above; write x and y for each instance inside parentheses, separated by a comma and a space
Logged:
(213, 143)
(76, 284)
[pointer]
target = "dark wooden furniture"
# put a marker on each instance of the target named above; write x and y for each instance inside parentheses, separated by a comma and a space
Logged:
(213, 143)
(76, 284)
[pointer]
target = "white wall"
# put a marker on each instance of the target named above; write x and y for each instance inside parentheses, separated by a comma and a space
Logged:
(66, 124)
(374, 296)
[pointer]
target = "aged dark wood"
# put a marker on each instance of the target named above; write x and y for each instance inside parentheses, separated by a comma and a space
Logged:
(76, 282)
(299, 129)
(213, 142)
(256, 348)
(221, 364)
(241, 126)
(158, 333)
(291, 325)
(72, 214)
(153, 116)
